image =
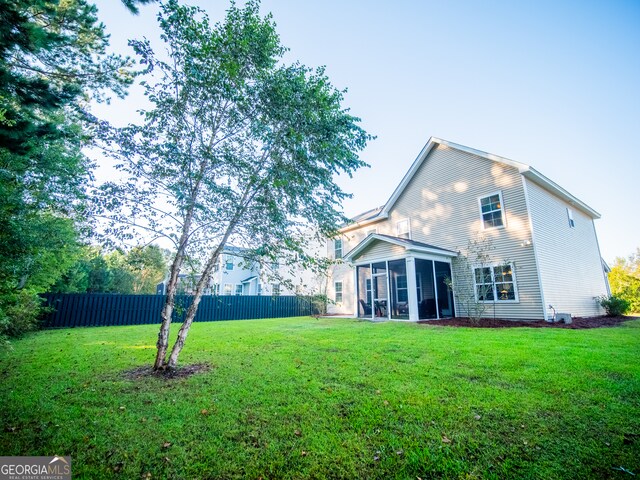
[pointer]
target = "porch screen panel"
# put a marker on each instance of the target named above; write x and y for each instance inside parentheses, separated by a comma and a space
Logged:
(364, 292)
(399, 296)
(445, 300)
(380, 289)
(426, 290)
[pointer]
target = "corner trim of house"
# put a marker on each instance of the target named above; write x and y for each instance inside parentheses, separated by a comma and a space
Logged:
(607, 286)
(535, 248)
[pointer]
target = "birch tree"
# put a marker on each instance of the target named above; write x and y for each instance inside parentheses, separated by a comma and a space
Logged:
(237, 147)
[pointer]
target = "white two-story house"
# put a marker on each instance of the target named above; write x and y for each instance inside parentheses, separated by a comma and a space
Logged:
(236, 275)
(404, 260)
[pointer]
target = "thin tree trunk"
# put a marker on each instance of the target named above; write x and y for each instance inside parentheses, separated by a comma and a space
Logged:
(193, 308)
(247, 197)
(167, 310)
(191, 311)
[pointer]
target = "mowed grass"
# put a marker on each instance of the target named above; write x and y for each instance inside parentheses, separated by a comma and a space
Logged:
(330, 398)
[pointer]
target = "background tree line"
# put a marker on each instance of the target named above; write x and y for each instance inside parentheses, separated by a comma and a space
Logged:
(624, 280)
(53, 63)
(137, 271)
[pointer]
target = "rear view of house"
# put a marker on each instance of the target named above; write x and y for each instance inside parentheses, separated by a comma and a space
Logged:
(413, 257)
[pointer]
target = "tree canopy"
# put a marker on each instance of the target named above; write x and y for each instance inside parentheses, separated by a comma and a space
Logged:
(236, 148)
(624, 279)
(136, 271)
(53, 60)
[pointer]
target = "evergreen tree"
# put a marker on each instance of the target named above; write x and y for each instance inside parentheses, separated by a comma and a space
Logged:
(53, 60)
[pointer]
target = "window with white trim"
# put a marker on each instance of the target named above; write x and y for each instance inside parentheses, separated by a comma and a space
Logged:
(238, 289)
(495, 283)
(338, 292)
(402, 292)
(491, 210)
(275, 289)
(403, 229)
(572, 224)
(216, 289)
(337, 248)
(227, 289)
(229, 264)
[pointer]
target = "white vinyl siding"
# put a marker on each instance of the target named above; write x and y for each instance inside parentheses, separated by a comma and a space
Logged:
(569, 257)
(442, 200)
(380, 250)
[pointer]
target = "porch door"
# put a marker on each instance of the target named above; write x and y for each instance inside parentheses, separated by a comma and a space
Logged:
(380, 290)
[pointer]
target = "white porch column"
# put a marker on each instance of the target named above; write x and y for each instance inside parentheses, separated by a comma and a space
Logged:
(412, 287)
(356, 308)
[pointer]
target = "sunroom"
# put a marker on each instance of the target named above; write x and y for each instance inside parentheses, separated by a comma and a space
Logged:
(401, 279)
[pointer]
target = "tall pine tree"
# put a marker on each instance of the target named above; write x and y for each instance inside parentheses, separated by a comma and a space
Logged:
(53, 61)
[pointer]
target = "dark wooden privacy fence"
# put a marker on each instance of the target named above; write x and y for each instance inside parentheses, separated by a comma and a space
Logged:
(84, 310)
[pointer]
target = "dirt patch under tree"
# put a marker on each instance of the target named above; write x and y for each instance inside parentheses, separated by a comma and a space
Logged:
(170, 374)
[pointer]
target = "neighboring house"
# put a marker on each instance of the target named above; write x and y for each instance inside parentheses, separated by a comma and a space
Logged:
(397, 258)
(236, 275)
(232, 275)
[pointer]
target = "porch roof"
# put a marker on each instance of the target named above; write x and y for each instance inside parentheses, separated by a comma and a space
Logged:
(409, 246)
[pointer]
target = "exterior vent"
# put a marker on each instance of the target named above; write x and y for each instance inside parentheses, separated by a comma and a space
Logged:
(563, 318)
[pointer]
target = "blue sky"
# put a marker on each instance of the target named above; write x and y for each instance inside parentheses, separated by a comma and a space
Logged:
(555, 85)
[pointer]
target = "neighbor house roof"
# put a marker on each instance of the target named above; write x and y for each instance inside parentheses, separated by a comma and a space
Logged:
(409, 245)
(527, 171)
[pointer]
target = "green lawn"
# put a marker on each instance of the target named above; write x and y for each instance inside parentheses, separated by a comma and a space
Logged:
(330, 398)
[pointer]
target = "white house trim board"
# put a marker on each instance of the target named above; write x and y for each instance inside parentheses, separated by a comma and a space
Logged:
(536, 177)
(534, 246)
(382, 258)
(408, 245)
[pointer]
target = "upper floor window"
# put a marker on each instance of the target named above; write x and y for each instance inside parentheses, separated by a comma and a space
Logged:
(492, 211)
(403, 229)
(495, 283)
(572, 224)
(337, 247)
(229, 264)
(338, 289)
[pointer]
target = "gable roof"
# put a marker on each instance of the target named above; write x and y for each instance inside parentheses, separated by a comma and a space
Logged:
(409, 245)
(526, 170)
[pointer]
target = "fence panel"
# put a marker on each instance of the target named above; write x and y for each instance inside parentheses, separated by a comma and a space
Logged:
(103, 309)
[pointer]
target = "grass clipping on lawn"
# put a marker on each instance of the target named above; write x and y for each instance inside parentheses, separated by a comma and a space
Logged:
(329, 398)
